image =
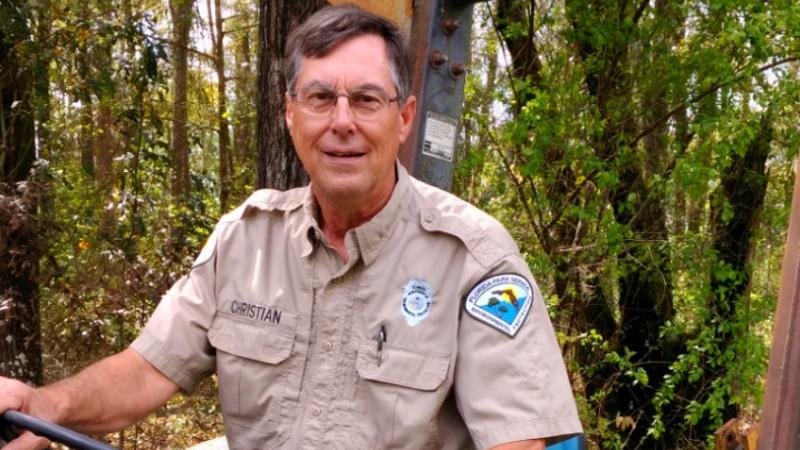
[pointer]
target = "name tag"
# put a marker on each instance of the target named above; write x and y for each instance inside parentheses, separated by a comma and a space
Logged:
(256, 312)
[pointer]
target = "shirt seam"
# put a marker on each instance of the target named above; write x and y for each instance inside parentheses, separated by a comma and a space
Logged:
(484, 438)
(165, 361)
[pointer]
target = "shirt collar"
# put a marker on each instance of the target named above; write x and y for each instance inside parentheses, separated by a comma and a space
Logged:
(369, 237)
(373, 235)
(309, 230)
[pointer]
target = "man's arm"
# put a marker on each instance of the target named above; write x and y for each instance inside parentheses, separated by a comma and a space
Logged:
(106, 396)
(532, 444)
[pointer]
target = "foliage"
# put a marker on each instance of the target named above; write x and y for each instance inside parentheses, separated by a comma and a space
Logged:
(606, 135)
(115, 239)
(603, 134)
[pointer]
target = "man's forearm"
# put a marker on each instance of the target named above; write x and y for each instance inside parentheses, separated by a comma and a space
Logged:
(108, 395)
(533, 444)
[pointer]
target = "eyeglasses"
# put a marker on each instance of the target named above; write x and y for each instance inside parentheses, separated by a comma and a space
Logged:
(366, 103)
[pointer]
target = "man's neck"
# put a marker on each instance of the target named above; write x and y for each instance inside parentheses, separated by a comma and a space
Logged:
(337, 218)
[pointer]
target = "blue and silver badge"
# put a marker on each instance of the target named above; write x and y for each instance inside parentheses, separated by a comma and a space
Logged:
(501, 301)
(417, 299)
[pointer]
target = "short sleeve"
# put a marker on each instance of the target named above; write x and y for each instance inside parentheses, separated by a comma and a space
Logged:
(511, 384)
(174, 340)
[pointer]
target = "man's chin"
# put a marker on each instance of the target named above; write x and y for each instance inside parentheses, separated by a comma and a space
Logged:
(343, 189)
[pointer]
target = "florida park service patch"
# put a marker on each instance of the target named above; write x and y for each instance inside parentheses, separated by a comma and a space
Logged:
(501, 301)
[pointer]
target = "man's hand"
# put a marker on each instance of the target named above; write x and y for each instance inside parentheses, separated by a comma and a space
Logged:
(533, 444)
(106, 396)
(21, 397)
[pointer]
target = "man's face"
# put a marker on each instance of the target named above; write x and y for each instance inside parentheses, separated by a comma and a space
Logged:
(350, 158)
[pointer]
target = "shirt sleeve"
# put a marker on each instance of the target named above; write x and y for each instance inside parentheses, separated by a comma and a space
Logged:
(511, 388)
(174, 340)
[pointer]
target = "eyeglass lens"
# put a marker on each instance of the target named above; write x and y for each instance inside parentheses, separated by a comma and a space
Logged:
(364, 102)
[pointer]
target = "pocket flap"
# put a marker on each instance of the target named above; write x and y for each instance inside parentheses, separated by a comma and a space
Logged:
(402, 366)
(267, 344)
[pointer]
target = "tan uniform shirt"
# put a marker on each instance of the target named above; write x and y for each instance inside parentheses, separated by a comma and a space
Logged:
(293, 333)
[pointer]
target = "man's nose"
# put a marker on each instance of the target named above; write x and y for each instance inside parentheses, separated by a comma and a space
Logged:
(343, 120)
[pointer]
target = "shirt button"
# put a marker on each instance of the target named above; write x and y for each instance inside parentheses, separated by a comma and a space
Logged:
(315, 411)
(428, 217)
(328, 346)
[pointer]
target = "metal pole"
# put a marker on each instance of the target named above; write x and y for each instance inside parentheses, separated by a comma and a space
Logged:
(440, 39)
(51, 431)
(398, 11)
(780, 426)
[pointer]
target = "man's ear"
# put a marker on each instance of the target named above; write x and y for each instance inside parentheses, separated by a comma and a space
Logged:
(288, 112)
(407, 114)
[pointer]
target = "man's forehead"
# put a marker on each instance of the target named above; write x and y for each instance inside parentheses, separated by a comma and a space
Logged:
(373, 40)
(364, 57)
(368, 50)
(323, 84)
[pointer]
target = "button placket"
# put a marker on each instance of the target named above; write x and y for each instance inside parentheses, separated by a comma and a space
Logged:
(322, 381)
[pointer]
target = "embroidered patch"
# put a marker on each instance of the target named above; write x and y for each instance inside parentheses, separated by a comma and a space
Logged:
(501, 301)
(417, 299)
(255, 311)
(208, 250)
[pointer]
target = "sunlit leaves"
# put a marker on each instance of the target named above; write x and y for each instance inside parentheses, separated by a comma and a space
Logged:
(632, 112)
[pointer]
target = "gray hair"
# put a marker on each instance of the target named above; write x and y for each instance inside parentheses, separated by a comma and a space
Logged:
(331, 26)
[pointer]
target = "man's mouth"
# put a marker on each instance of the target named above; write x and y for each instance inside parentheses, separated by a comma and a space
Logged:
(343, 153)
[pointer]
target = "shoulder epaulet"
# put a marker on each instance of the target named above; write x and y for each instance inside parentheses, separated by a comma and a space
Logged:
(263, 200)
(483, 236)
(268, 200)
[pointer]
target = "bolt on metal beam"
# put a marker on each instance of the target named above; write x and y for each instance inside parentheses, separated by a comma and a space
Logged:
(440, 39)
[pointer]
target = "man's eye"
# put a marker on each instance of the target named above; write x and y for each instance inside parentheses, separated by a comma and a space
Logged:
(365, 99)
(320, 96)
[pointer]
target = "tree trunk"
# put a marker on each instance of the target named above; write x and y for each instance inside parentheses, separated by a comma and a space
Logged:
(105, 148)
(181, 12)
(243, 154)
(645, 278)
(86, 140)
(225, 160)
(20, 348)
(86, 123)
(277, 165)
(526, 64)
(576, 282)
(743, 187)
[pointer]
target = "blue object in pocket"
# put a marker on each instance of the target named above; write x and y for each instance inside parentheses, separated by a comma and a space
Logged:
(574, 443)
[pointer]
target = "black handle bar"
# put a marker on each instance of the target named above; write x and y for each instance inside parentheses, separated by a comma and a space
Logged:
(78, 441)
(52, 431)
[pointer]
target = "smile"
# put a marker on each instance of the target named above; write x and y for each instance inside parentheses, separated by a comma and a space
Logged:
(343, 153)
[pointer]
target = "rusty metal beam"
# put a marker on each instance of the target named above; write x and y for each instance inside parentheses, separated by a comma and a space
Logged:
(780, 426)
(439, 33)
(420, 41)
(398, 11)
(440, 39)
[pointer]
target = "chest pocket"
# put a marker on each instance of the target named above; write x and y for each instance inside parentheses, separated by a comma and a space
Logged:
(253, 369)
(402, 367)
(404, 393)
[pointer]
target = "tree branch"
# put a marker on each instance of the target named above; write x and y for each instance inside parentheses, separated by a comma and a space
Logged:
(521, 195)
(640, 11)
(171, 43)
(715, 87)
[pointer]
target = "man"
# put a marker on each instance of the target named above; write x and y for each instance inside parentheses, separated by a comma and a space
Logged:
(366, 311)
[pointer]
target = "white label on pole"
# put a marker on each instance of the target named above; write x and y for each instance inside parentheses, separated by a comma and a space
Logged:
(440, 136)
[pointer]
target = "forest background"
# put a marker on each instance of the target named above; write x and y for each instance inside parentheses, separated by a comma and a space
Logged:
(640, 151)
